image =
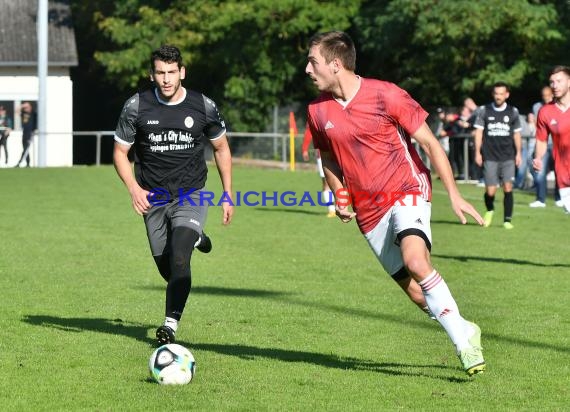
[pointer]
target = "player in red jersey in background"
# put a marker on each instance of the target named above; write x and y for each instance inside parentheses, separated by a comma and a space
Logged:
(326, 193)
(554, 118)
(363, 129)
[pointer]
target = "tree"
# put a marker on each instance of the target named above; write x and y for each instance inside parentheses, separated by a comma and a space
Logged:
(443, 50)
(248, 55)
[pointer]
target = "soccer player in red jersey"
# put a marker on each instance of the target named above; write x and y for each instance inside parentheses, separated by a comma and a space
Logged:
(364, 128)
(554, 118)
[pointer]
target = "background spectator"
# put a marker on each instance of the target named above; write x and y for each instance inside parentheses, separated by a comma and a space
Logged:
(5, 129)
(28, 118)
(539, 178)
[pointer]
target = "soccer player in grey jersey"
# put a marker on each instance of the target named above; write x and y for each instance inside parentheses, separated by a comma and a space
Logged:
(167, 126)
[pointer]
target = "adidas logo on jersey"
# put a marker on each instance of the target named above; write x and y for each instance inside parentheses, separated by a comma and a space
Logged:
(553, 122)
(329, 125)
(152, 122)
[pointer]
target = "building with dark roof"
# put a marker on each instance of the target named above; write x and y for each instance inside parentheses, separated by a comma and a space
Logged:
(19, 75)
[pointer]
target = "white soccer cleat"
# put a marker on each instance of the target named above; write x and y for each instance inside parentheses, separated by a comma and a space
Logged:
(537, 203)
(472, 358)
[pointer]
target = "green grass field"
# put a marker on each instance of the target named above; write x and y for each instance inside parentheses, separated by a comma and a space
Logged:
(290, 311)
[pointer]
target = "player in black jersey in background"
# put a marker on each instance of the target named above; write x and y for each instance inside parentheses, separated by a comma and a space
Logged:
(168, 125)
(498, 150)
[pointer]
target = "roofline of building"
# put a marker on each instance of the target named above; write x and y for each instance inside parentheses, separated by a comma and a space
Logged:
(35, 64)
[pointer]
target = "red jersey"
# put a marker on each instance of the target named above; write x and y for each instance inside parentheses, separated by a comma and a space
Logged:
(370, 140)
(551, 119)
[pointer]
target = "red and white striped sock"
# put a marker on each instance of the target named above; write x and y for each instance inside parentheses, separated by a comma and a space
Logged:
(443, 306)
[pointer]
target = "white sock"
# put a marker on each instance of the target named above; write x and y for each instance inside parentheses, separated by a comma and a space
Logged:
(171, 323)
(565, 197)
(328, 197)
(443, 306)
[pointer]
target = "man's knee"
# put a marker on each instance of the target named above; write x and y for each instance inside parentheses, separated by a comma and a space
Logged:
(182, 245)
(418, 267)
(415, 247)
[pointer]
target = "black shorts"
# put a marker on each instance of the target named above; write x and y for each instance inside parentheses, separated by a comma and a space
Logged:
(161, 220)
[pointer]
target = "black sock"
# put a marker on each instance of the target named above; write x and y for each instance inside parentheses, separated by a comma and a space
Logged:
(180, 282)
(508, 203)
(489, 202)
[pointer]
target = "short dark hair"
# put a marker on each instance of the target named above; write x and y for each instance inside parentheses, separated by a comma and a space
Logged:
(501, 84)
(560, 68)
(166, 53)
(336, 45)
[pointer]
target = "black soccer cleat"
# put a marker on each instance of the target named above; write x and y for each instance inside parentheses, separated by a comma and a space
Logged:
(204, 244)
(165, 335)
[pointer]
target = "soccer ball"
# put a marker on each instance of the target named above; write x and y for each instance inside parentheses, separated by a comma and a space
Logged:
(172, 364)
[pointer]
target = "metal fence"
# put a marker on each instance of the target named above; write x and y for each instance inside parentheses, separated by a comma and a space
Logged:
(261, 146)
(268, 147)
(98, 141)
(465, 139)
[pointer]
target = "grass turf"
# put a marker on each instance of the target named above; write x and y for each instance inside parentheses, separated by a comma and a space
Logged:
(290, 311)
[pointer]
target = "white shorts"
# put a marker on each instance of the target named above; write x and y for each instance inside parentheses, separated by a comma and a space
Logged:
(399, 222)
(565, 197)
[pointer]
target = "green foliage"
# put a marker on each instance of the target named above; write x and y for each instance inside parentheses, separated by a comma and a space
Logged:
(136, 34)
(251, 52)
(264, 52)
(451, 48)
(250, 55)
